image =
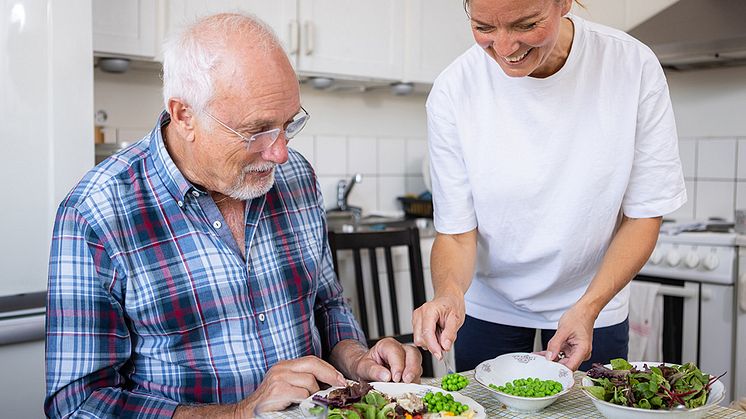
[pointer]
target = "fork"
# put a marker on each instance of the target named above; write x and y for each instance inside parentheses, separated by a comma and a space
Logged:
(447, 363)
(444, 354)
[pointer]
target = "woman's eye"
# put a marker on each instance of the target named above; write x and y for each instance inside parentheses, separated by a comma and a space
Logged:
(527, 26)
(483, 29)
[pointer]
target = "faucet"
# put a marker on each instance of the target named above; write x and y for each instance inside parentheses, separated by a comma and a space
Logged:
(344, 188)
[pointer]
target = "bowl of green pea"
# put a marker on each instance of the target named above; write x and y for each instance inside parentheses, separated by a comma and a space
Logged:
(524, 382)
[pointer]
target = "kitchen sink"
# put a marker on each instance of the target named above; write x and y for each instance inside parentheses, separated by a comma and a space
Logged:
(347, 222)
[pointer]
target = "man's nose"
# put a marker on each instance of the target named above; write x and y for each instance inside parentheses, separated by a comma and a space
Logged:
(278, 151)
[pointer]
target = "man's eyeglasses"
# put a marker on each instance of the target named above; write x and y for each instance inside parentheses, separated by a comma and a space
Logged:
(263, 140)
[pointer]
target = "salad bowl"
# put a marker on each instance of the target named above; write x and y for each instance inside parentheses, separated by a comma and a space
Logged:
(614, 411)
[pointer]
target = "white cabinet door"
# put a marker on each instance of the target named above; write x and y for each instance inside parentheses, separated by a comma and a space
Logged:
(278, 14)
(357, 38)
(125, 28)
(438, 31)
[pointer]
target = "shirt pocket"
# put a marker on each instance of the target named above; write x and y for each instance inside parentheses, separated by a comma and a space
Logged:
(298, 259)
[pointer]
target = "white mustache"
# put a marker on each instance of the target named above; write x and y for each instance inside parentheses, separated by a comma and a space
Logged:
(260, 167)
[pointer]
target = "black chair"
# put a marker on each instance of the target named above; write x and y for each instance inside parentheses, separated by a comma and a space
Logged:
(386, 240)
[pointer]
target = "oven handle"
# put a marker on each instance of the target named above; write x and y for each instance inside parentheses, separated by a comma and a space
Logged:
(671, 291)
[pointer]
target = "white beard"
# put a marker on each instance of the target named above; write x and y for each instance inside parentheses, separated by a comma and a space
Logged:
(243, 191)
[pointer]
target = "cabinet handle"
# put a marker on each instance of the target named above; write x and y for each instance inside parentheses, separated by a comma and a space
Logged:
(308, 29)
(294, 33)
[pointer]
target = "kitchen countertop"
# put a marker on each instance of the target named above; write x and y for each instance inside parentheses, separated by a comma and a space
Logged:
(574, 404)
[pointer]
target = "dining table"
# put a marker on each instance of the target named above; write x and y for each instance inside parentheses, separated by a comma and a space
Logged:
(574, 404)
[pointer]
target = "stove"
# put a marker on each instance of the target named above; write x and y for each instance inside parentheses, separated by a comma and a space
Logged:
(698, 273)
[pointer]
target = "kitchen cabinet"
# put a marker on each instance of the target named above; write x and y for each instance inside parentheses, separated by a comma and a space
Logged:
(333, 38)
(355, 38)
(126, 28)
(438, 31)
(280, 15)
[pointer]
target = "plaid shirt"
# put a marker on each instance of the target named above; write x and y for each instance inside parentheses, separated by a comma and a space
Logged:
(151, 306)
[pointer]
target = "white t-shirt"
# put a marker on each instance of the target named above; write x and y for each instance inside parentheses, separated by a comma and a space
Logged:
(545, 167)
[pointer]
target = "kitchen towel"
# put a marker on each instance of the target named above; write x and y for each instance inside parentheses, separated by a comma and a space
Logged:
(645, 322)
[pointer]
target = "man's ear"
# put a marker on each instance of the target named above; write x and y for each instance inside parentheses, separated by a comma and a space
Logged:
(182, 118)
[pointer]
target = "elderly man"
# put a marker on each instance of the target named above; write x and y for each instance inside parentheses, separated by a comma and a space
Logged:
(190, 274)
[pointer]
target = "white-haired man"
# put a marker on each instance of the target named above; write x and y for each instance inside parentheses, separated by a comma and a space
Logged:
(190, 274)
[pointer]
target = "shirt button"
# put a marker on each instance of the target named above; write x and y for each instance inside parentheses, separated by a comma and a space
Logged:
(195, 194)
(217, 224)
(180, 204)
(261, 317)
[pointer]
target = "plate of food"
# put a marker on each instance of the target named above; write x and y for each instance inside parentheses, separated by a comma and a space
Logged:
(394, 400)
(652, 389)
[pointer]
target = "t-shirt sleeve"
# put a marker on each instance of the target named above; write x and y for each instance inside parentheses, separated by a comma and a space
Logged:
(453, 206)
(656, 184)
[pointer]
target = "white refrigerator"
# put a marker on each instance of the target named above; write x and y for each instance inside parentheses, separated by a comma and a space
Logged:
(46, 145)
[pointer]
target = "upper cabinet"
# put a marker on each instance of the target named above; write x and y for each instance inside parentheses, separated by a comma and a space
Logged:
(620, 14)
(357, 38)
(278, 14)
(126, 28)
(438, 31)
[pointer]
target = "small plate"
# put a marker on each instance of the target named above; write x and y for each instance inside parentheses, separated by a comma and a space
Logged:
(398, 389)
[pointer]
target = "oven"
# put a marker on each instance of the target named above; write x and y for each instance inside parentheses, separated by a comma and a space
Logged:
(697, 276)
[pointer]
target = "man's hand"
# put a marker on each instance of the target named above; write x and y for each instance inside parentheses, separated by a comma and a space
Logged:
(574, 337)
(435, 323)
(289, 381)
(388, 360)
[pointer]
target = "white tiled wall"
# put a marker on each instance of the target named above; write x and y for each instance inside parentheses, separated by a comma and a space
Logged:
(709, 105)
(715, 176)
(391, 167)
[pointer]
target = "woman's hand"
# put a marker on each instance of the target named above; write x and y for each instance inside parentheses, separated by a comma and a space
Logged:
(574, 337)
(435, 323)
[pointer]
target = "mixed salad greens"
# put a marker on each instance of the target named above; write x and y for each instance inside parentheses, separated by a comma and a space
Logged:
(654, 387)
(361, 401)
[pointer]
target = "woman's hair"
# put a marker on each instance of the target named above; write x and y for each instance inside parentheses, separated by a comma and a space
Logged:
(466, 5)
(191, 56)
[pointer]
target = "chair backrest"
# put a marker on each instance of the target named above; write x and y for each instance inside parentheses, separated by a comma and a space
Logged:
(385, 240)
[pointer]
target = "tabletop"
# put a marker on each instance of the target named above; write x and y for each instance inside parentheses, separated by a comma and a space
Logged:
(574, 404)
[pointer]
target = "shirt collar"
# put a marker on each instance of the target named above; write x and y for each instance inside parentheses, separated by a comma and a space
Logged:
(172, 178)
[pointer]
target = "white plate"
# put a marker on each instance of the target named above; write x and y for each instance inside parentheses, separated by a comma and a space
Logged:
(398, 389)
(615, 411)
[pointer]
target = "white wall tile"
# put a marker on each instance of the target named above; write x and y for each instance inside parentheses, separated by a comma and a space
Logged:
(362, 155)
(714, 199)
(741, 165)
(740, 195)
(331, 155)
(414, 185)
(391, 154)
(389, 188)
(688, 154)
(365, 194)
(686, 212)
(415, 152)
(329, 190)
(304, 144)
(716, 159)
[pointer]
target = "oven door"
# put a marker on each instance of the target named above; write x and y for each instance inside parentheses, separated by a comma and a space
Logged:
(681, 322)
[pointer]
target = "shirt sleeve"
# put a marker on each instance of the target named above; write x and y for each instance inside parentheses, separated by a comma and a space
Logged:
(333, 316)
(87, 339)
(453, 205)
(656, 184)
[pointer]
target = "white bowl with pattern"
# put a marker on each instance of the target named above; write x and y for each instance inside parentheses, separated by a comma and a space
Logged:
(513, 366)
